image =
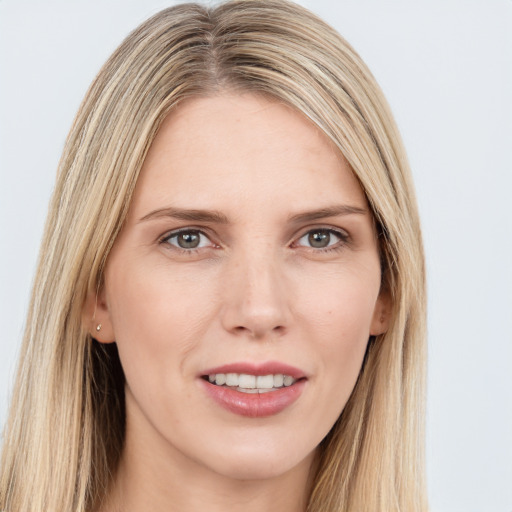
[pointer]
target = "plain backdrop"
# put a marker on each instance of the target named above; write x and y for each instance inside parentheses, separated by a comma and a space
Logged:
(446, 69)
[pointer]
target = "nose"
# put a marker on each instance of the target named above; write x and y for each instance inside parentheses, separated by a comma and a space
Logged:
(256, 298)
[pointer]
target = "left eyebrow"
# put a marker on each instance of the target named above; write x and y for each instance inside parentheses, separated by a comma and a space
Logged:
(330, 211)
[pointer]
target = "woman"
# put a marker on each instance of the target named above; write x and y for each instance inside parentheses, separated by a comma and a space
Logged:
(229, 305)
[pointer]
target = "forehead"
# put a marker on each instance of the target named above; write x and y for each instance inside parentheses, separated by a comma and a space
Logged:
(230, 150)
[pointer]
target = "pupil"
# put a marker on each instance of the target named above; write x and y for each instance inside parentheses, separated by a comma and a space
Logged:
(188, 240)
(319, 239)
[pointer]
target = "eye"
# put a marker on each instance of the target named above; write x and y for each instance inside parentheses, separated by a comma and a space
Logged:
(187, 239)
(321, 238)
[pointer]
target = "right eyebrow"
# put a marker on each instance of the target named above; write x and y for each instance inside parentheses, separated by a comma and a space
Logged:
(213, 216)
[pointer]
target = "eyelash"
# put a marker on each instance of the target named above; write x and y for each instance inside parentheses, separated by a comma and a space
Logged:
(337, 246)
(343, 239)
(174, 234)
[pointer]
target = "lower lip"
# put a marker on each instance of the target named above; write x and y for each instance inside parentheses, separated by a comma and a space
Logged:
(254, 405)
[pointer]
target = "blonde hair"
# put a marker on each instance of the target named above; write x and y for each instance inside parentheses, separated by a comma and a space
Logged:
(65, 431)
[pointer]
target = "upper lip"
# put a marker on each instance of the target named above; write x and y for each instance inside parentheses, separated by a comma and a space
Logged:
(253, 368)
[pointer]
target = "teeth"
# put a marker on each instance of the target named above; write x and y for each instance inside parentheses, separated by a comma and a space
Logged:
(265, 381)
(278, 380)
(249, 391)
(231, 379)
(247, 381)
(288, 381)
(251, 383)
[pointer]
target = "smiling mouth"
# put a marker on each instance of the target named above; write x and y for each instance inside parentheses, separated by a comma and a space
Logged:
(246, 383)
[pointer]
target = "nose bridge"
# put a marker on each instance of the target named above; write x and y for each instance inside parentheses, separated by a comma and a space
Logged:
(255, 299)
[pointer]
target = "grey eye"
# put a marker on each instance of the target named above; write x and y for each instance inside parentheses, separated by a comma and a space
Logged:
(320, 238)
(189, 239)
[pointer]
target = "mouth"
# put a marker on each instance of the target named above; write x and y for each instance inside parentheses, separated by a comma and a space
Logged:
(254, 389)
(247, 383)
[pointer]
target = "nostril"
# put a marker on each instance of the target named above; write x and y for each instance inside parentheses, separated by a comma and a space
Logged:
(260, 332)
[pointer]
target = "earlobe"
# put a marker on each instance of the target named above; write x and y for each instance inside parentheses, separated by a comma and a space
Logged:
(96, 317)
(381, 315)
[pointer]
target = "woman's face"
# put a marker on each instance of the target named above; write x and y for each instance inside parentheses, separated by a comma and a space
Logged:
(249, 251)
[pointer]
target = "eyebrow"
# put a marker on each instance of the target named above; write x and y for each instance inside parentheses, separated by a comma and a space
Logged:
(331, 211)
(191, 215)
(217, 217)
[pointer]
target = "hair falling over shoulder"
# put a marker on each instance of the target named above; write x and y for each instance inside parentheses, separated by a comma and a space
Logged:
(65, 429)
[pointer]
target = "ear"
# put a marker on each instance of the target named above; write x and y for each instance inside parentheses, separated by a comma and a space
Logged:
(381, 314)
(96, 316)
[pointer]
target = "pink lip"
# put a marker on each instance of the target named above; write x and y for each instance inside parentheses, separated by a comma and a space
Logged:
(257, 405)
(267, 368)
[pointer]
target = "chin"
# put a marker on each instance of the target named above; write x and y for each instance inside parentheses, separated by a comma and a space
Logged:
(258, 464)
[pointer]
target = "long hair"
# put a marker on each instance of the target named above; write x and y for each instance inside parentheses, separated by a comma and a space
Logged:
(65, 431)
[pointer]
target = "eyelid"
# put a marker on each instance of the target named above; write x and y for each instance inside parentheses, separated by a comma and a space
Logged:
(342, 234)
(164, 239)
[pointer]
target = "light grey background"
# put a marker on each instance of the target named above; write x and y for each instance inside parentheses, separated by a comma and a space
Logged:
(446, 68)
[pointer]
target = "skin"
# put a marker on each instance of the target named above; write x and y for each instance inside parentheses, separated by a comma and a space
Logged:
(255, 290)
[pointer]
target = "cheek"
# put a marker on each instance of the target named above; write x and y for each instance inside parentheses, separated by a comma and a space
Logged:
(158, 317)
(342, 303)
(337, 314)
